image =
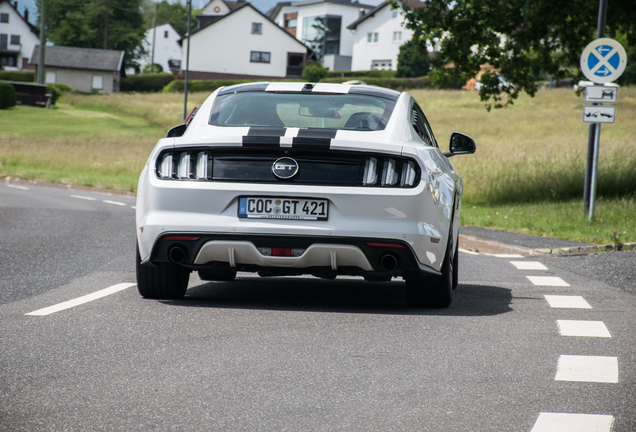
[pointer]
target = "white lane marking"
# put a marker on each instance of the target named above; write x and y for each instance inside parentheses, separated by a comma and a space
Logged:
(583, 328)
(84, 197)
(528, 265)
(467, 251)
(81, 300)
(587, 369)
(17, 187)
(548, 281)
(505, 255)
(568, 422)
(114, 202)
(133, 207)
(572, 302)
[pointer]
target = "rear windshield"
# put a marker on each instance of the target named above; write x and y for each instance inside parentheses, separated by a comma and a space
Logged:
(302, 110)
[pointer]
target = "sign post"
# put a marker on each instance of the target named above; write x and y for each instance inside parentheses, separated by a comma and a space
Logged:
(603, 61)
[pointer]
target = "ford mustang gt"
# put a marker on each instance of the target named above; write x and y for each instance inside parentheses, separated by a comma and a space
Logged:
(300, 178)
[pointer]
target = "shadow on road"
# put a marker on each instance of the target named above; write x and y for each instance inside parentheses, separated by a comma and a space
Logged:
(339, 296)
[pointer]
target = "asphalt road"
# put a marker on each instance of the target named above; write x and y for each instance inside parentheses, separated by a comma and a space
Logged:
(297, 353)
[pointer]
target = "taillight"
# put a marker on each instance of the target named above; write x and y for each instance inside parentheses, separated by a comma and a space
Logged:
(186, 165)
(389, 172)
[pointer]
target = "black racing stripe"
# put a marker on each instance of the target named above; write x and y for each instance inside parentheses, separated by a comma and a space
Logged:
(261, 141)
(267, 131)
(317, 133)
(375, 91)
(311, 143)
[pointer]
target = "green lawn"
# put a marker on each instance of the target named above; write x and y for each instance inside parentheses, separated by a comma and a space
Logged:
(526, 176)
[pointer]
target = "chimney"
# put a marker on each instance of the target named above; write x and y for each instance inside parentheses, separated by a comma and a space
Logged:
(15, 5)
(26, 14)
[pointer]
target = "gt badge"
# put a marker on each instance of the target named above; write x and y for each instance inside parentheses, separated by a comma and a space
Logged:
(285, 168)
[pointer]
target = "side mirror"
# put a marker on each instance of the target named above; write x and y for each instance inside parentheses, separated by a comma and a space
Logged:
(461, 144)
(177, 131)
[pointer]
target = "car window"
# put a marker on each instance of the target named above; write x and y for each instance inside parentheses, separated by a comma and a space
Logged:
(421, 125)
(302, 110)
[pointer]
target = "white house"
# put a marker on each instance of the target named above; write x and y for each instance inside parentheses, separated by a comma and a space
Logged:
(378, 36)
(17, 37)
(243, 43)
(322, 25)
(167, 51)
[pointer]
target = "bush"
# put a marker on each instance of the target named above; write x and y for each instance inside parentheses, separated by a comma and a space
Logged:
(55, 91)
(201, 85)
(314, 72)
(7, 96)
(399, 84)
(145, 82)
(19, 76)
(359, 74)
(412, 62)
(64, 88)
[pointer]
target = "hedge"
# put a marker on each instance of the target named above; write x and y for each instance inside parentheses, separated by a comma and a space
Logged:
(20, 76)
(145, 82)
(392, 83)
(359, 74)
(7, 96)
(201, 85)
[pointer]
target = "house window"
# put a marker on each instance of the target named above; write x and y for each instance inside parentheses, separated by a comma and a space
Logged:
(259, 57)
(7, 60)
(257, 28)
(3, 41)
(292, 23)
(98, 82)
(397, 36)
(165, 34)
(372, 38)
(15, 39)
(381, 65)
(4, 17)
(394, 14)
(322, 34)
(50, 78)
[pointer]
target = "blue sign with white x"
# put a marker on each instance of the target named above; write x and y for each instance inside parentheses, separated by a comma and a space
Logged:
(603, 60)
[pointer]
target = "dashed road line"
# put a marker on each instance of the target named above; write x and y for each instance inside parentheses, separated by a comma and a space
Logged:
(17, 187)
(84, 197)
(548, 281)
(567, 302)
(583, 328)
(528, 265)
(114, 202)
(570, 422)
(81, 300)
(467, 251)
(579, 368)
(505, 255)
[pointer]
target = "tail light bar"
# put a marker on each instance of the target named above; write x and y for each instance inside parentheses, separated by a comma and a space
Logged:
(390, 172)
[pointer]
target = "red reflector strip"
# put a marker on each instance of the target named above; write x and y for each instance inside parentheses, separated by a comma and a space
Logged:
(282, 252)
(391, 245)
(181, 238)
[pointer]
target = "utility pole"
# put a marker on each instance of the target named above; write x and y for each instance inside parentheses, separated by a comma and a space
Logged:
(185, 88)
(105, 24)
(40, 71)
(154, 32)
(594, 136)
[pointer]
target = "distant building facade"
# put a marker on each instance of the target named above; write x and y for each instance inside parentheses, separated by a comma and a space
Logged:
(167, 51)
(17, 37)
(83, 69)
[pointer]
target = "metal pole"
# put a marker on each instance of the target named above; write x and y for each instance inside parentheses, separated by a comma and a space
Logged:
(154, 32)
(597, 147)
(40, 71)
(185, 89)
(105, 24)
(594, 130)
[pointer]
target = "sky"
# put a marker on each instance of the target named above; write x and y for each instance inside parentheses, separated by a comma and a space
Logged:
(262, 5)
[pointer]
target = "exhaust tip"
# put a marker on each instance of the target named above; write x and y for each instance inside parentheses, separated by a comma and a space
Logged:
(388, 261)
(177, 254)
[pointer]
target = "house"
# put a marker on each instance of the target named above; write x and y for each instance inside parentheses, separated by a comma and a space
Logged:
(83, 69)
(17, 37)
(241, 43)
(167, 51)
(322, 25)
(378, 36)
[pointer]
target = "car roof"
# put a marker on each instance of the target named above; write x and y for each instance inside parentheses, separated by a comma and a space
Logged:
(305, 87)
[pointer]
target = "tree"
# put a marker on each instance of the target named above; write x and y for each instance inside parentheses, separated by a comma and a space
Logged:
(82, 24)
(314, 71)
(516, 37)
(412, 62)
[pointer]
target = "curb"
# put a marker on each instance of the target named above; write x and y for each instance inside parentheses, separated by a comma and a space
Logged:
(476, 244)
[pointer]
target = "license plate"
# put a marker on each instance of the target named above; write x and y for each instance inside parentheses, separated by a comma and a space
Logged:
(283, 208)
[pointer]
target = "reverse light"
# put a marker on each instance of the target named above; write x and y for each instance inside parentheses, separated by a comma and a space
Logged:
(281, 252)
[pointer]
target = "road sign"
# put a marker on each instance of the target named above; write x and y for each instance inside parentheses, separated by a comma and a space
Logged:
(601, 94)
(603, 60)
(599, 114)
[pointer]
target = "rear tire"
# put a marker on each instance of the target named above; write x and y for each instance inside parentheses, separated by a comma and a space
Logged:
(456, 268)
(163, 281)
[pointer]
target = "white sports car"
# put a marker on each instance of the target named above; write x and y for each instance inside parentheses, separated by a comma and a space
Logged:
(301, 178)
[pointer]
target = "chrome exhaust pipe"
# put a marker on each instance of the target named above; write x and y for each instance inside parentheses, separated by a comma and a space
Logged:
(177, 254)
(388, 261)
